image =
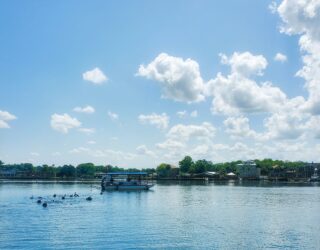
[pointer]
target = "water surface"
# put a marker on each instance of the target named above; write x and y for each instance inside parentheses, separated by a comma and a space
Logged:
(171, 216)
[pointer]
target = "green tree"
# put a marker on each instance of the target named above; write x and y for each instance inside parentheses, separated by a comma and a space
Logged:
(201, 166)
(186, 164)
(86, 170)
(66, 171)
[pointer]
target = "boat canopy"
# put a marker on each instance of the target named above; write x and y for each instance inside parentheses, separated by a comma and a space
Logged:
(127, 173)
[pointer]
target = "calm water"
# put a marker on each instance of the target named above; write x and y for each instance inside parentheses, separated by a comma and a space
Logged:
(172, 216)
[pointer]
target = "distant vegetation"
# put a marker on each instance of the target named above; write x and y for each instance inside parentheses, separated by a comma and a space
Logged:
(164, 170)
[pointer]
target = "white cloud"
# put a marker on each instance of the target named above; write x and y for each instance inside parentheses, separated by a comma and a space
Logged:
(143, 150)
(96, 76)
(239, 127)
(180, 79)
(184, 140)
(87, 131)
(36, 154)
(161, 121)
(4, 124)
(91, 142)
(108, 154)
(86, 110)
(182, 114)
(56, 154)
(245, 63)
(280, 57)
(273, 7)
(182, 132)
(79, 150)
(64, 122)
(303, 18)
(113, 116)
(5, 117)
(171, 144)
(236, 94)
(284, 126)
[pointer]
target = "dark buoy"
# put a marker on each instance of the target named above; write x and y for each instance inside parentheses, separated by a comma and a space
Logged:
(44, 204)
(31, 197)
(63, 197)
(39, 201)
(54, 195)
(89, 198)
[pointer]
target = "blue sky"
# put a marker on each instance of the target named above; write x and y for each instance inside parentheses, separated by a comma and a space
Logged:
(179, 47)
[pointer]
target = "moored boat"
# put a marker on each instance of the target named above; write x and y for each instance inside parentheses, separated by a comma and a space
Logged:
(126, 181)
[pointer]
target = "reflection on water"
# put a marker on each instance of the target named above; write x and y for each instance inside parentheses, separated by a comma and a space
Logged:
(200, 215)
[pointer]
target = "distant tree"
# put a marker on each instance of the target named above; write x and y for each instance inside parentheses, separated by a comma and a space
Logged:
(201, 166)
(149, 170)
(166, 170)
(86, 170)
(66, 171)
(186, 164)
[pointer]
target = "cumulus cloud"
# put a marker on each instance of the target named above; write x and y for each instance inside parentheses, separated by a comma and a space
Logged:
(91, 142)
(245, 63)
(171, 145)
(183, 139)
(113, 116)
(181, 132)
(161, 121)
(6, 117)
(239, 127)
(280, 57)
(96, 76)
(303, 18)
(86, 110)
(180, 79)
(236, 94)
(143, 150)
(184, 114)
(62, 123)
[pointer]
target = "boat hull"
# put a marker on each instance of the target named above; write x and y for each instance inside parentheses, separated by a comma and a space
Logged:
(127, 187)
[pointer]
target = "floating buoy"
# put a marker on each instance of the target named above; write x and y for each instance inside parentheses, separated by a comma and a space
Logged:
(39, 201)
(54, 195)
(63, 197)
(89, 198)
(44, 204)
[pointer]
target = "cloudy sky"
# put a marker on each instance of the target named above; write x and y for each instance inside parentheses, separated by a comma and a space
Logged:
(137, 83)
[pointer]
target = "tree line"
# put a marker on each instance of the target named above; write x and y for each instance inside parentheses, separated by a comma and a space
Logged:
(83, 170)
(186, 166)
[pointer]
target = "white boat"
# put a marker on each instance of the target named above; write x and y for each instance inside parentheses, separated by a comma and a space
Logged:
(126, 181)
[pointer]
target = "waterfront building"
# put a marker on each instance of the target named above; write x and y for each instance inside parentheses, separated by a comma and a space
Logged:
(248, 170)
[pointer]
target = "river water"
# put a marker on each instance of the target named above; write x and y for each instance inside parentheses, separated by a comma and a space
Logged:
(228, 215)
